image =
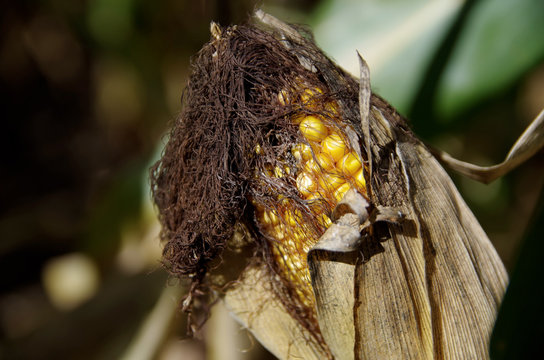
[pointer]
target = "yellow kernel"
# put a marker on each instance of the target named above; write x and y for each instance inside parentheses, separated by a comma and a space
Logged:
(334, 146)
(313, 128)
(293, 218)
(360, 179)
(324, 220)
(325, 161)
(330, 182)
(278, 172)
(283, 97)
(350, 164)
(283, 200)
(331, 107)
(302, 152)
(270, 218)
(308, 94)
(312, 167)
(297, 119)
(278, 232)
(258, 149)
(341, 191)
(306, 184)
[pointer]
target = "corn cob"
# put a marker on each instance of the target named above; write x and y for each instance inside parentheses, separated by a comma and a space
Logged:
(326, 167)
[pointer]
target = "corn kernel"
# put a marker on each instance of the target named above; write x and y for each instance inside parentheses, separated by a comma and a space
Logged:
(341, 191)
(313, 128)
(334, 146)
(330, 182)
(324, 220)
(306, 184)
(270, 218)
(360, 179)
(325, 161)
(278, 172)
(308, 94)
(312, 167)
(283, 97)
(302, 152)
(293, 218)
(350, 164)
(258, 149)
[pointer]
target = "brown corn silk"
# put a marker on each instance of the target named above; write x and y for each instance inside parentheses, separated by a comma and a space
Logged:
(251, 146)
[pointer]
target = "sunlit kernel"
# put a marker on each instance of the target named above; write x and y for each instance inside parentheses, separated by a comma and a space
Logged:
(360, 179)
(306, 184)
(330, 182)
(278, 172)
(325, 161)
(293, 218)
(283, 97)
(258, 149)
(334, 146)
(313, 129)
(350, 164)
(270, 218)
(302, 152)
(341, 191)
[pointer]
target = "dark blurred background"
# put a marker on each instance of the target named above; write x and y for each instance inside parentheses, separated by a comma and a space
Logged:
(88, 89)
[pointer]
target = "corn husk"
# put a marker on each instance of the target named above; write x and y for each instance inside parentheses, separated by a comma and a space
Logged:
(430, 289)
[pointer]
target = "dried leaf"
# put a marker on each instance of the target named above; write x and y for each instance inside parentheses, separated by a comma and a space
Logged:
(528, 144)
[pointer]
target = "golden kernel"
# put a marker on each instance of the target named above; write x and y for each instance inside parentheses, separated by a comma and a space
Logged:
(334, 146)
(313, 128)
(360, 180)
(341, 191)
(325, 161)
(302, 152)
(283, 97)
(306, 184)
(258, 149)
(325, 220)
(293, 218)
(308, 94)
(312, 167)
(270, 218)
(278, 172)
(330, 182)
(350, 164)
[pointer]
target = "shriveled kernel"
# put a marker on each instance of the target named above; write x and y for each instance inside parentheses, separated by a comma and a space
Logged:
(330, 182)
(334, 146)
(350, 164)
(306, 184)
(302, 152)
(360, 179)
(341, 191)
(313, 128)
(283, 97)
